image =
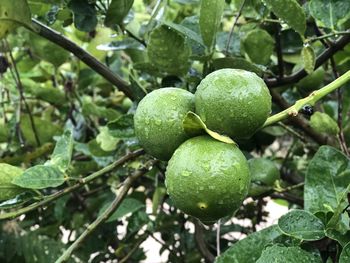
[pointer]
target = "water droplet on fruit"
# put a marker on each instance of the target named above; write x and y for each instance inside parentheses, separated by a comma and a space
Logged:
(186, 173)
(158, 122)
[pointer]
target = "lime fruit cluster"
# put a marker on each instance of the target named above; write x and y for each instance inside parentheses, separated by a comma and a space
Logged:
(205, 178)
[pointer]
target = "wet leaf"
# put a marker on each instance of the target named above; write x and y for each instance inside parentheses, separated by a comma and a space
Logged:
(302, 225)
(40, 177)
(8, 190)
(290, 12)
(309, 58)
(249, 249)
(117, 10)
(62, 154)
(193, 125)
(323, 123)
(279, 254)
(209, 20)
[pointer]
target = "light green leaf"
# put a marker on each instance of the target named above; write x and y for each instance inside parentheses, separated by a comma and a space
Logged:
(290, 12)
(331, 13)
(40, 177)
(302, 225)
(8, 190)
(129, 205)
(209, 20)
(249, 249)
(326, 181)
(62, 153)
(106, 141)
(345, 254)
(116, 12)
(193, 125)
(157, 198)
(168, 50)
(13, 14)
(323, 123)
(309, 58)
(259, 46)
(279, 254)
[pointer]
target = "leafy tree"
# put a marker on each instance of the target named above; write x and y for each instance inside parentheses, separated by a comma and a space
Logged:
(73, 172)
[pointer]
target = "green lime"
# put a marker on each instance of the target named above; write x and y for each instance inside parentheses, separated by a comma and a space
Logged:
(158, 120)
(264, 174)
(234, 102)
(207, 179)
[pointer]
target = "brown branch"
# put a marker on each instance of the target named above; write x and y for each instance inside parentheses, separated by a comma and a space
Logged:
(82, 54)
(199, 237)
(322, 58)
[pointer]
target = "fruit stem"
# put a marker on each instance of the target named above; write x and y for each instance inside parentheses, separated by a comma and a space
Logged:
(314, 97)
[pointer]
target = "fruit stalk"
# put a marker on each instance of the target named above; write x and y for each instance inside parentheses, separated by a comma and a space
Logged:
(311, 99)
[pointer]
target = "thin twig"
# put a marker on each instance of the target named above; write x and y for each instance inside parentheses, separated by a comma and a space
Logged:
(107, 213)
(321, 59)
(279, 52)
(218, 234)
(199, 237)
(82, 54)
(325, 36)
(71, 188)
(132, 251)
(233, 27)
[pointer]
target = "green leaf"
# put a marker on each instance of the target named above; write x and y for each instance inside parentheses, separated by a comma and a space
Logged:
(323, 123)
(40, 177)
(279, 254)
(106, 141)
(345, 254)
(342, 238)
(331, 13)
(157, 198)
(84, 15)
(129, 205)
(116, 12)
(186, 32)
(302, 225)
(238, 63)
(309, 58)
(62, 154)
(209, 20)
(168, 50)
(193, 125)
(249, 249)
(259, 46)
(8, 190)
(13, 14)
(290, 12)
(123, 127)
(326, 181)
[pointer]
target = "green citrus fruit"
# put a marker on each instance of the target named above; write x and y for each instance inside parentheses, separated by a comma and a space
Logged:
(234, 102)
(7, 174)
(158, 120)
(207, 179)
(264, 174)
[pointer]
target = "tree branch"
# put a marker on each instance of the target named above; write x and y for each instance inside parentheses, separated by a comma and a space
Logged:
(107, 213)
(70, 189)
(322, 58)
(82, 54)
(199, 237)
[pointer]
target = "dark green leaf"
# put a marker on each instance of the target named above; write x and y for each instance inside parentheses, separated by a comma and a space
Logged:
(259, 46)
(326, 181)
(62, 153)
(84, 15)
(331, 13)
(249, 249)
(117, 10)
(168, 50)
(129, 205)
(123, 127)
(209, 20)
(302, 225)
(279, 254)
(290, 12)
(238, 63)
(40, 177)
(186, 32)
